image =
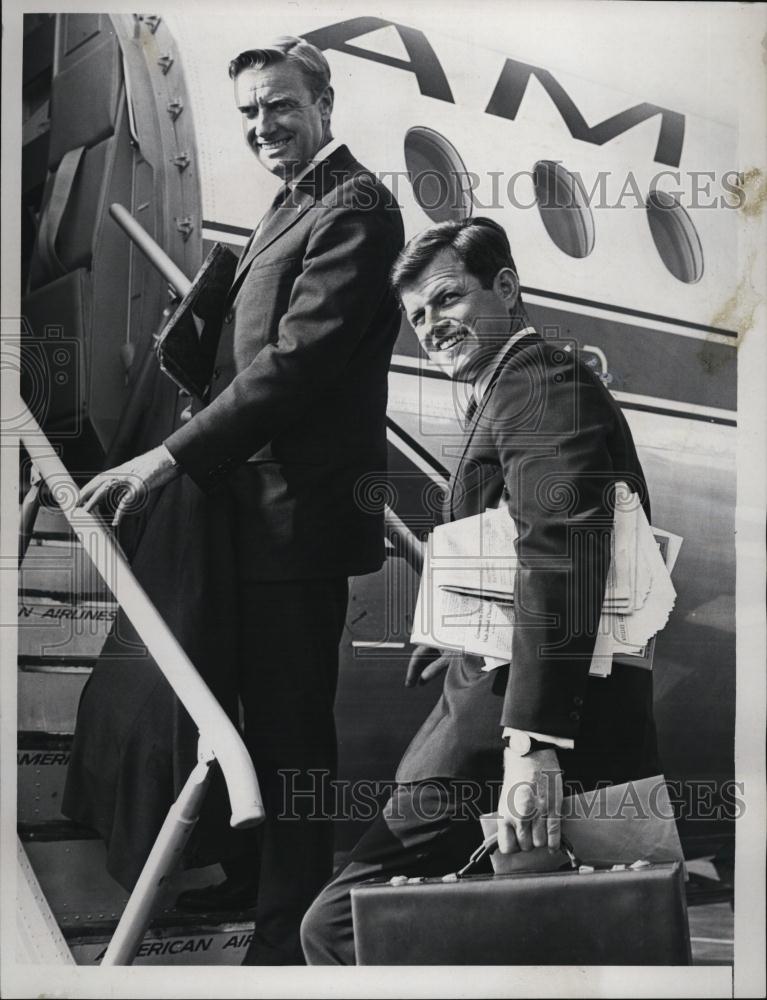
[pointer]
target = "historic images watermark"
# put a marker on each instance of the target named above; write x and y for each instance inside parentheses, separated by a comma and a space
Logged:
(451, 191)
(313, 794)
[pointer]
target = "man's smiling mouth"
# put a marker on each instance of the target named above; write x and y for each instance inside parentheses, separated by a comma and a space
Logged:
(446, 343)
(274, 143)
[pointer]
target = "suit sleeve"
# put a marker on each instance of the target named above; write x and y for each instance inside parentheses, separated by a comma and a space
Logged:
(558, 473)
(343, 284)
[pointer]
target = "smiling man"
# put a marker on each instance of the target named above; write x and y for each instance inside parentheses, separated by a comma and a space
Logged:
(285, 117)
(545, 439)
(268, 465)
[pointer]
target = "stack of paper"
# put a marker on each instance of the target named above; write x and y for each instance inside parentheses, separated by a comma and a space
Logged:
(465, 601)
(466, 598)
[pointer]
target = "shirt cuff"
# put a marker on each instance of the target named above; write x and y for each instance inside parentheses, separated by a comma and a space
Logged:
(169, 454)
(557, 741)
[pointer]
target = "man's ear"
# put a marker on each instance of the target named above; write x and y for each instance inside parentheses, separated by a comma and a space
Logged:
(506, 286)
(326, 103)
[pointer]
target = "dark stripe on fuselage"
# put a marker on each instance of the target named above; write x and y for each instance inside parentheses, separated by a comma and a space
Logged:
(642, 361)
(646, 408)
(624, 404)
(223, 227)
(625, 311)
(418, 448)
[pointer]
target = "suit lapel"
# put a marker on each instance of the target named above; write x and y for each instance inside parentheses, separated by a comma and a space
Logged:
(477, 416)
(287, 215)
(309, 190)
(458, 476)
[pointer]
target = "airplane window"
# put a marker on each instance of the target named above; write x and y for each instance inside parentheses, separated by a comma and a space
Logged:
(675, 236)
(438, 175)
(564, 208)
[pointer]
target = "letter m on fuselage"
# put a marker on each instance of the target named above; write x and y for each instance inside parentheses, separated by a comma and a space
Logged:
(511, 87)
(423, 63)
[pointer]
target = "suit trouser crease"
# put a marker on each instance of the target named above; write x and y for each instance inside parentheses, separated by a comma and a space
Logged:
(288, 638)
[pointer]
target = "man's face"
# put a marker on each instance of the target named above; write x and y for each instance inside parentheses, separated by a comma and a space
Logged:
(459, 324)
(282, 122)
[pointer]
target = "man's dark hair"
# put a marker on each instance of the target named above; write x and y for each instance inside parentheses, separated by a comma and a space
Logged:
(287, 48)
(480, 244)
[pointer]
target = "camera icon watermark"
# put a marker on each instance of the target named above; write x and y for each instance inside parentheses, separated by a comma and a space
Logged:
(50, 367)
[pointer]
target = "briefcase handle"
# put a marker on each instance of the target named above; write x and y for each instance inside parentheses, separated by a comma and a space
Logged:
(490, 843)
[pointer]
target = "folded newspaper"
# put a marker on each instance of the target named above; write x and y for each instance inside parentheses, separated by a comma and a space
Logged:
(466, 597)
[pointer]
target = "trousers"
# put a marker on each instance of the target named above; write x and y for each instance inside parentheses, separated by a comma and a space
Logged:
(428, 828)
(289, 633)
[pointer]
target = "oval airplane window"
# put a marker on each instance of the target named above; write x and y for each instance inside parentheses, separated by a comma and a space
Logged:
(437, 175)
(564, 208)
(676, 238)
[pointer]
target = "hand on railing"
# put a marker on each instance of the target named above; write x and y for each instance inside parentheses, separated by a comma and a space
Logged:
(216, 729)
(131, 482)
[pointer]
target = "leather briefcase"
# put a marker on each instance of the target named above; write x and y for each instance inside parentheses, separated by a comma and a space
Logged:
(186, 355)
(626, 917)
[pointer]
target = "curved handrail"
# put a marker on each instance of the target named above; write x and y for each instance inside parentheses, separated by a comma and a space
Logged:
(217, 731)
(412, 548)
(151, 250)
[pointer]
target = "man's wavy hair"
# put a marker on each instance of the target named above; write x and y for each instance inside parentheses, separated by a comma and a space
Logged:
(287, 48)
(480, 244)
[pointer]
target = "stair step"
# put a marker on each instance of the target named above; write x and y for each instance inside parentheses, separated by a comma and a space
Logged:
(73, 627)
(87, 904)
(82, 894)
(60, 570)
(59, 829)
(48, 695)
(41, 760)
(223, 944)
(51, 536)
(51, 519)
(56, 664)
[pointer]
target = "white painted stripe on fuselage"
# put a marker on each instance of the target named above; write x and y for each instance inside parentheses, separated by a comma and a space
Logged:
(375, 644)
(219, 236)
(673, 404)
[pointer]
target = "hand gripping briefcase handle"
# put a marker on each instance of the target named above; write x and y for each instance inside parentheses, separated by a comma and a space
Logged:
(487, 847)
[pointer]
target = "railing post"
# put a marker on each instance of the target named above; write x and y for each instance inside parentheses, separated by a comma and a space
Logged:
(162, 861)
(210, 718)
(30, 508)
(412, 548)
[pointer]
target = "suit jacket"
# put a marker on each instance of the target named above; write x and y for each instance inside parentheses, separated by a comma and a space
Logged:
(295, 422)
(549, 438)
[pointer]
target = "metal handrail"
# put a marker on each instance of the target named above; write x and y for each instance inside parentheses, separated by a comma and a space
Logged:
(411, 546)
(217, 732)
(151, 249)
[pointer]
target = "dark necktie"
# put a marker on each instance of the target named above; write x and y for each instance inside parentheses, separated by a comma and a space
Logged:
(471, 409)
(276, 205)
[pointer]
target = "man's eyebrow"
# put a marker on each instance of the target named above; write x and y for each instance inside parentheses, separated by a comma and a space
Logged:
(269, 99)
(442, 284)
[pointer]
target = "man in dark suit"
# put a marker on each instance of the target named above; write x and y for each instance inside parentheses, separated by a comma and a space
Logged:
(295, 418)
(544, 437)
